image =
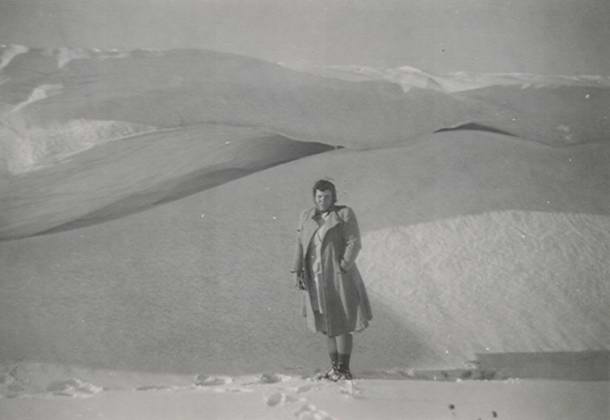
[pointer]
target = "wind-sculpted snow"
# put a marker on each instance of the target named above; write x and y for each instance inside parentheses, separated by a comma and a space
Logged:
(479, 232)
(527, 80)
(177, 89)
(38, 94)
(8, 52)
(406, 77)
(156, 174)
(65, 55)
(30, 148)
(150, 167)
(409, 77)
(561, 116)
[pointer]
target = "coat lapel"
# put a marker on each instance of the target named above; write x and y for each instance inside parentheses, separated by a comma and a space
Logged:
(310, 226)
(331, 222)
(309, 229)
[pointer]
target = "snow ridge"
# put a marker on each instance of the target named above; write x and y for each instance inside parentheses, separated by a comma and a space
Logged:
(409, 77)
(9, 52)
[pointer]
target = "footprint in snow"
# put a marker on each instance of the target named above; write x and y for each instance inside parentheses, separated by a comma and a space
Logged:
(269, 378)
(279, 398)
(303, 388)
(204, 380)
(152, 388)
(311, 412)
(73, 388)
(351, 391)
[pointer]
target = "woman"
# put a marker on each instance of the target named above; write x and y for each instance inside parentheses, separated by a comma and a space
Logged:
(335, 303)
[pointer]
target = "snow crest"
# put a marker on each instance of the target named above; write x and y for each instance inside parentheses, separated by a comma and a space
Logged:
(9, 52)
(409, 77)
(65, 55)
(38, 94)
(30, 148)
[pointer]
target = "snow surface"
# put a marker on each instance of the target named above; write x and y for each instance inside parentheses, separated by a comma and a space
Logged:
(449, 186)
(147, 218)
(455, 282)
(37, 393)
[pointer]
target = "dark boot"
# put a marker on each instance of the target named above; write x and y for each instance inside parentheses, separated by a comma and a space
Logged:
(344, 372)
(331, 373)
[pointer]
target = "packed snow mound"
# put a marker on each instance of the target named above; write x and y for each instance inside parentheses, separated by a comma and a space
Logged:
(508, 281)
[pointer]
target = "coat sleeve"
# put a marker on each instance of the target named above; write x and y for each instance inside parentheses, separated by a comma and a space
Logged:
(297, 265)
(351, 236)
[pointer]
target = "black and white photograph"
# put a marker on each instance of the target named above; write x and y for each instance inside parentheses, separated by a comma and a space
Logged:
(304, 209)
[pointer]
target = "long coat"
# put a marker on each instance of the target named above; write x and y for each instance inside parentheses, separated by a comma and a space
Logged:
(344, 303)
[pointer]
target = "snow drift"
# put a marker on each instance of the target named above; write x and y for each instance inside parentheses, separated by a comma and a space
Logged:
(472, 241)
(168, 184)
(82, 98)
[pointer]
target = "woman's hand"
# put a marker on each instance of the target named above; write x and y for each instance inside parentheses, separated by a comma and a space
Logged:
(299, 280)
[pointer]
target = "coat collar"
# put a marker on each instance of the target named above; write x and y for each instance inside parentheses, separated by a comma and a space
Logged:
(311, 225)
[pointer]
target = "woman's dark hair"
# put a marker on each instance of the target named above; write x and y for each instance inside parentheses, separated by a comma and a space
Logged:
(324, 185)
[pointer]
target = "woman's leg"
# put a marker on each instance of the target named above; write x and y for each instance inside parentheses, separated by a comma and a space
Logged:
(332, 353)
(344, 347)
(344, 343)
(332, 344)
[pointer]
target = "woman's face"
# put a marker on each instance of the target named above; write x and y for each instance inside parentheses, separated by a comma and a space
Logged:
(323, 199)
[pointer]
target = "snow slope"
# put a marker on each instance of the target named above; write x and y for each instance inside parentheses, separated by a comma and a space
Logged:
(149, 201)
(159, 284)
(135, 173)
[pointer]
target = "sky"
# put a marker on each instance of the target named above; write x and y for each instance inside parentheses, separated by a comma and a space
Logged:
(536, 36)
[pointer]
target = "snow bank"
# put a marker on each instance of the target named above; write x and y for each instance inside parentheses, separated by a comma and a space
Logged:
(496, 282)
